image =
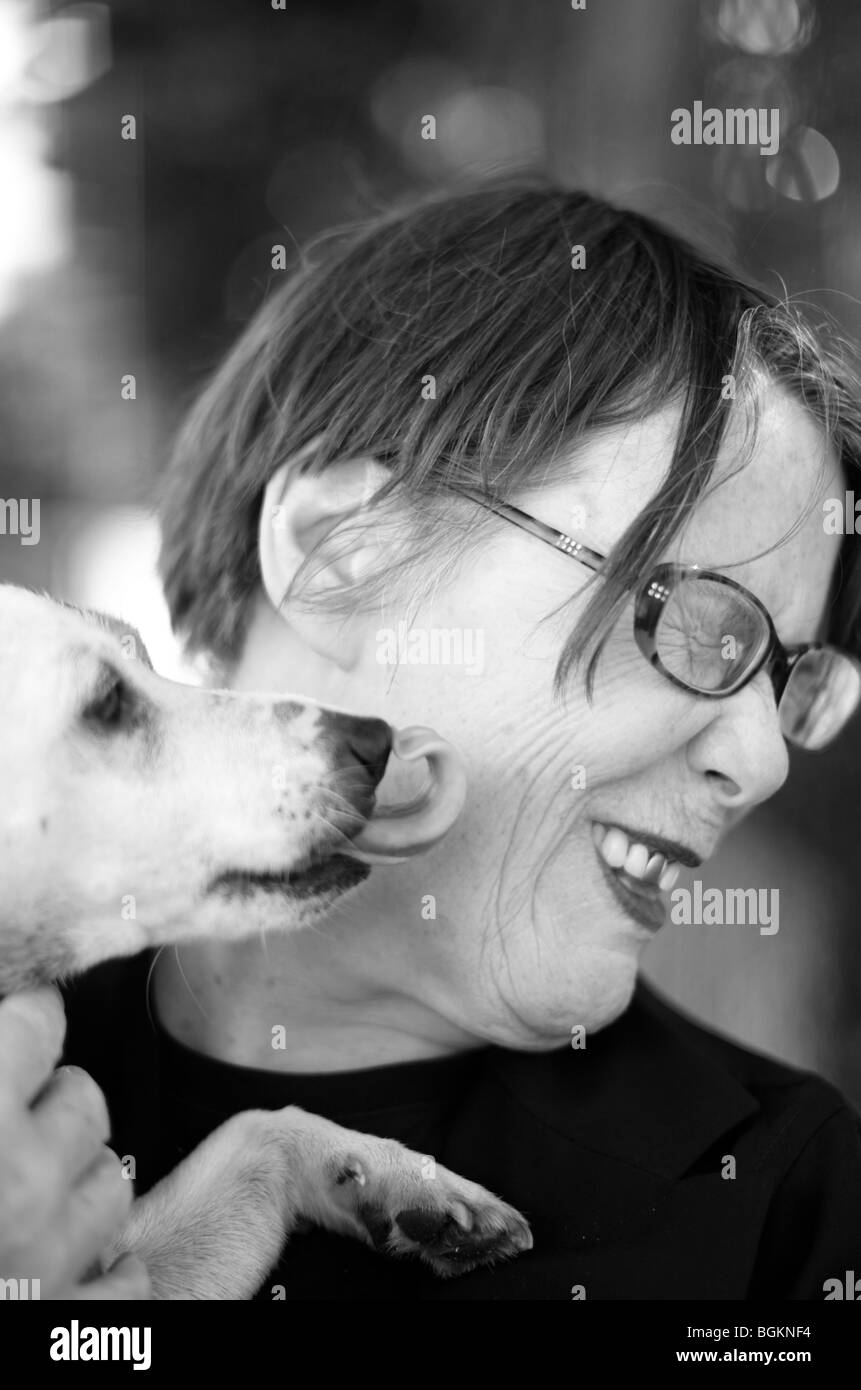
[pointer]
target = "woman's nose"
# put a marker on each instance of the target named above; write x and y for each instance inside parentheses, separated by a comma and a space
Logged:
(742, 750)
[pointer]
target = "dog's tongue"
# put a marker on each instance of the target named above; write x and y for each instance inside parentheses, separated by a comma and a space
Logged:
(395, 833)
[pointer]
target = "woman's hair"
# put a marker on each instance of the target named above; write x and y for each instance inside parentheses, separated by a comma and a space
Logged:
(529, 356)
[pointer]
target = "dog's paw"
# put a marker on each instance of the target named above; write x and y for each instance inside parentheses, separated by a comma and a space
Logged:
(402, 1203)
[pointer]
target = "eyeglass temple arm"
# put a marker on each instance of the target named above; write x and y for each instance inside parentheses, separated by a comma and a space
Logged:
(560, 540)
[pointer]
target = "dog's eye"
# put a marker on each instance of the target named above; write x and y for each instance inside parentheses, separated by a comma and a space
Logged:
(110, 708)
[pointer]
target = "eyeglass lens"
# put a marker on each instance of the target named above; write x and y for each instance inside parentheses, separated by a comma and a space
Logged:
(709, 635)
(821, 694)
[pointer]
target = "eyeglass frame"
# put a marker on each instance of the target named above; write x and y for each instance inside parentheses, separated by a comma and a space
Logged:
(653, 593)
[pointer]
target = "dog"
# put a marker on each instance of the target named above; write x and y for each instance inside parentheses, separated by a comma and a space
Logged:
(137, 813)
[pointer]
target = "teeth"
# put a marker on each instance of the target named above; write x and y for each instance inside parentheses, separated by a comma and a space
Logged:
(614, 850)
(635, 858)
(668, 877)
(655, 867)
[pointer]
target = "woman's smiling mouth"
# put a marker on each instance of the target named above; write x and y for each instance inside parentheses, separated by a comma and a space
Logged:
(637, 873)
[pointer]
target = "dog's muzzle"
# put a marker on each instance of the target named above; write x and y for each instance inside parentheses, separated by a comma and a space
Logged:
(395, 833)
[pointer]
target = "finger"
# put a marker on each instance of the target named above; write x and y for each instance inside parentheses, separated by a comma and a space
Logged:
(91, 1215)
(129, 1279)
(32, 1028)
(71, 1119)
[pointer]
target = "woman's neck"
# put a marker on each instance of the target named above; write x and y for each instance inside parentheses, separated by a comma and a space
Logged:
(294, 1004)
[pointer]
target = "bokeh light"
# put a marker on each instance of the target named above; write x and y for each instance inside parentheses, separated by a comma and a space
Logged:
(761, 27)
(807, 168)
(72, 49)
(491, 127)
(477, 126)
(34, 228)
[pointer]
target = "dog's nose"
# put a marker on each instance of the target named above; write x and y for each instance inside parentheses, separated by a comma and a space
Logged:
(367, 742)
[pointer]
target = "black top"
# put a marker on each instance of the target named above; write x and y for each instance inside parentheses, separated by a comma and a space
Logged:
(616, 1153)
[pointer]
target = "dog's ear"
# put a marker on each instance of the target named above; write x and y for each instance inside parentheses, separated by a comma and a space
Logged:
(130, 640)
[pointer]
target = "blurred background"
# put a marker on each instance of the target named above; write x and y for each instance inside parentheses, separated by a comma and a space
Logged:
(132, 252)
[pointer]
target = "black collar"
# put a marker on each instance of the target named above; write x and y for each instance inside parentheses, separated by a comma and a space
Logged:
(650, 1090)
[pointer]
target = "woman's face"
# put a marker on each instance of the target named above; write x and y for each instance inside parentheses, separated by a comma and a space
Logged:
(508, 930)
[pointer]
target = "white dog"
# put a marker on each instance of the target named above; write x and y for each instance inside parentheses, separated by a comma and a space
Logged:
(137, 812)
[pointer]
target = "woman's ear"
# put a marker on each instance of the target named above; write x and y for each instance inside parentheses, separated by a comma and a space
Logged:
(299, 509)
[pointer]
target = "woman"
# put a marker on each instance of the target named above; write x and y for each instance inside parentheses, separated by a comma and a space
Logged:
(382, 458)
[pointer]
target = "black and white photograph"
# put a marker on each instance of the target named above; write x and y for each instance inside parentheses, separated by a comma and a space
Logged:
(430, 662)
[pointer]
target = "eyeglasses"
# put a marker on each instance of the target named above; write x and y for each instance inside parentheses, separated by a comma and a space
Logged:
(711, 636)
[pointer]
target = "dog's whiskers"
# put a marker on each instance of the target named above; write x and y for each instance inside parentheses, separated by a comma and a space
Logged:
(341, 837)
(149, 974)
(187, 985)
(148, 986)
(337, 800)
(264, 946)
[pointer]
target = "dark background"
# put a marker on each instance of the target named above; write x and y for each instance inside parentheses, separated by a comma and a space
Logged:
(256, 127)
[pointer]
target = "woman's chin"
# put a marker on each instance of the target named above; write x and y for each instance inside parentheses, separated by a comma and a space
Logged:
(568, 1005)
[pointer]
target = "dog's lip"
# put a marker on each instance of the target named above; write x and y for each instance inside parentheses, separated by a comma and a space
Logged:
(320, 869)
